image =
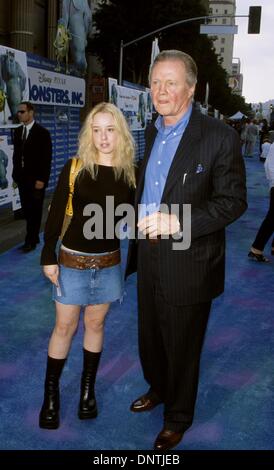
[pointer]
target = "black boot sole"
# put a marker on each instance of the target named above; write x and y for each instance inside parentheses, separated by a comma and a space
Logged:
(47, 425)
(87, 414)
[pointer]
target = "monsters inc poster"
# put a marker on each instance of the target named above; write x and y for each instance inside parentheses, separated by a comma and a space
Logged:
(7, 190)
(132, 102)
(14, 86)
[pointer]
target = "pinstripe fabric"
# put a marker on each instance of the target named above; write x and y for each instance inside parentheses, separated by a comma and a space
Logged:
(170, 342)
(217, 196)
(175, 288)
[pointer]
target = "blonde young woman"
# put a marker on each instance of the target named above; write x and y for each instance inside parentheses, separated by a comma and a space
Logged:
(88, 270)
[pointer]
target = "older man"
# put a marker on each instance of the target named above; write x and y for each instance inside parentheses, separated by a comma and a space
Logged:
(189, 159)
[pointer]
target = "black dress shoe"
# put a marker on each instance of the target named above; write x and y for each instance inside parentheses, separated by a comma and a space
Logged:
(167, 439)
(144, 403)
(258, 257)
(28, 247)
(21, 247)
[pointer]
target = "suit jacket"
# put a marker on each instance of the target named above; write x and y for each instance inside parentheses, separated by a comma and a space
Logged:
(207, 172)
(37, 155)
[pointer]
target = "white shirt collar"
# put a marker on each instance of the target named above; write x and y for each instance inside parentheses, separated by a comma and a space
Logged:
(29, 126)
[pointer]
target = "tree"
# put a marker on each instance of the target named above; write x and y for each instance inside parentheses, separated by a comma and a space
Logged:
(121, 19)
(134, 19)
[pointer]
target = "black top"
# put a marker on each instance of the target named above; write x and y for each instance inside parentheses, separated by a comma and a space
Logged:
(86, 191)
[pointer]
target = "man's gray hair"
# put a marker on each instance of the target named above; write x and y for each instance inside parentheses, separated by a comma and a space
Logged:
(189, 63)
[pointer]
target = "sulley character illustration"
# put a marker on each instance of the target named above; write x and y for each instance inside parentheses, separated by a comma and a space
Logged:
(3, 96)
(141, 116)
(15, 80)
(114, 94)
(3, 170)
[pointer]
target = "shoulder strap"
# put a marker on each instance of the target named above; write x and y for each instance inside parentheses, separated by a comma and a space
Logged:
(76, 165)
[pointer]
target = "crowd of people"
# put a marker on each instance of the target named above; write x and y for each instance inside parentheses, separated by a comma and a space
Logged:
(190, 160)
(250, 130)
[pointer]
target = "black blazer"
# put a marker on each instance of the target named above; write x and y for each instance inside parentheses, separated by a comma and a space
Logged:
(37, 155)
(207, 172)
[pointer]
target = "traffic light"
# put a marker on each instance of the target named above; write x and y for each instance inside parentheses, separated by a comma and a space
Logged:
(254, 20)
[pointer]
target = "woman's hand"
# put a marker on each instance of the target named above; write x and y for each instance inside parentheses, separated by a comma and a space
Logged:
(51, 271)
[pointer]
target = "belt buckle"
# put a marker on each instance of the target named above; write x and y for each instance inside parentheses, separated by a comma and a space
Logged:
(93, 263)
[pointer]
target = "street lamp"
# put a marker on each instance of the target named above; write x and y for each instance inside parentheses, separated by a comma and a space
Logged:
(253, 28)
(123, 45)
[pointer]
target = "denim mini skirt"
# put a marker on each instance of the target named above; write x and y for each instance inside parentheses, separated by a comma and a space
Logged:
(88, 286)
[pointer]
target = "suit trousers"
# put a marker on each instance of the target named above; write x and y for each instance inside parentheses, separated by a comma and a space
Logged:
(267, 227)
(170, 341)
(32, 204)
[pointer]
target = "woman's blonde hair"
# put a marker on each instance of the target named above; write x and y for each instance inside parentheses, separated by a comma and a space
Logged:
(123, 161)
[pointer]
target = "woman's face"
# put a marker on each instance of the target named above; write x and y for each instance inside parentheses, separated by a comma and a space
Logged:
(105, 134)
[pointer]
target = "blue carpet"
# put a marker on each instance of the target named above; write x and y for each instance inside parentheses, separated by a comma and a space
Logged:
(235, 405)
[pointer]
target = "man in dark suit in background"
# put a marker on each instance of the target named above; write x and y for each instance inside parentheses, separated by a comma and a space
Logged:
(31, 169)
(189, 159)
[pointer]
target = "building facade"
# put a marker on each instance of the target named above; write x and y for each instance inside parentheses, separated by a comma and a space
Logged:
(236, 78)
(223, 43)
(29, 25)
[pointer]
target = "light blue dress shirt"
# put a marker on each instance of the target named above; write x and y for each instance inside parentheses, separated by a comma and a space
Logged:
(161, 157)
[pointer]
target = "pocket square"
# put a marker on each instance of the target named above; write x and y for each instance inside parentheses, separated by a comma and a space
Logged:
(199, 169)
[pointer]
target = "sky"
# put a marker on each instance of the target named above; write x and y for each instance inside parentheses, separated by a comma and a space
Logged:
(256, 52)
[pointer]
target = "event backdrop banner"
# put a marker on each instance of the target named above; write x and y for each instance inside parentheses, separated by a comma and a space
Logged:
(13, 84)
(8, 191)
(52, 88)
(135, 104)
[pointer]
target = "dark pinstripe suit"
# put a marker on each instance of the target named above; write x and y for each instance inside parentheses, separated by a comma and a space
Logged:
(175, 288)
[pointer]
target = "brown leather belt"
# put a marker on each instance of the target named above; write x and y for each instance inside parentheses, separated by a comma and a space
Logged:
(71, 260)
(153, 241)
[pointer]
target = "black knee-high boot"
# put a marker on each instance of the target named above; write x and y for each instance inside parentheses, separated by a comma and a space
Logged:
(87, 405)
(49, 414)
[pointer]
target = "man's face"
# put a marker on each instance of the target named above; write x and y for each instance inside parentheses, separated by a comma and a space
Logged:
(171, 94)
(24, 116)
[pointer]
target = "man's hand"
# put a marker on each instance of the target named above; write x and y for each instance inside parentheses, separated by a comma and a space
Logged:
(159, 223)
(39, 184)
(51, 271)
